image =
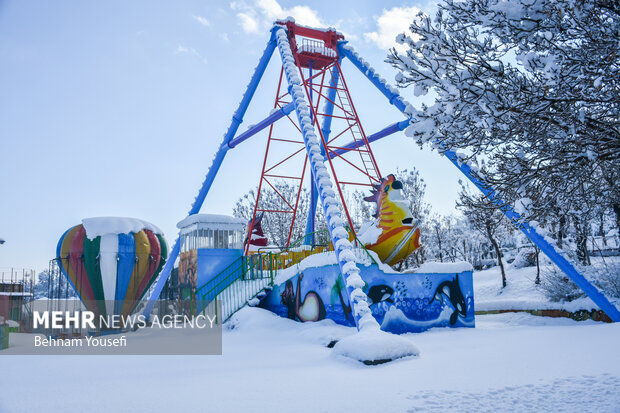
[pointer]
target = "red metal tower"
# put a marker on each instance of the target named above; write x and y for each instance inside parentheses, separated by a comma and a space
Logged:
(334, 115)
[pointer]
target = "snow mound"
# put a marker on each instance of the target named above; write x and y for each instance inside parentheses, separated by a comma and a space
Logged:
(374, 346)
(254, 302)
(99, 226)
(369, 232)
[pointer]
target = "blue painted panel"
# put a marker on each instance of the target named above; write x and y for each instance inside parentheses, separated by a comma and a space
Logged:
(212, 261)
(401, 303)
(126, 263)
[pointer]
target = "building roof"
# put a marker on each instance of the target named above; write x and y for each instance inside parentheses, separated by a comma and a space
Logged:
(215, 221)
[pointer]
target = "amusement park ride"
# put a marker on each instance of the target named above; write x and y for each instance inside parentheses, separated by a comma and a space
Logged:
(353, 282)
(311, 65)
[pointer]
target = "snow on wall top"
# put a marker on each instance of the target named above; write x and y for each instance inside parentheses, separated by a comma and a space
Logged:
(445, 267)
(211, 219)
(323, 259)
(99, 226)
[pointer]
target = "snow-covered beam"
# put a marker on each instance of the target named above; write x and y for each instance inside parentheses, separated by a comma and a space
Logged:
(390, 92)
(269, 120)
(546, 247)
(215, 166)
(342, 247)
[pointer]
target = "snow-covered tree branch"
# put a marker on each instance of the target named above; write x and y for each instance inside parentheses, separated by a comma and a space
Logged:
(530, 88)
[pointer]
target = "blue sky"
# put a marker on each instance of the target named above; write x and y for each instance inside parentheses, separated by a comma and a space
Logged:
(115, 108)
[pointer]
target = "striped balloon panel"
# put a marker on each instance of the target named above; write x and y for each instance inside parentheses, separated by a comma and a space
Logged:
(153, 265)
(93, 271)
(76, 262)
(63, 257)
(163, 249)
(126, 264)
(142, 254)
(108, 265)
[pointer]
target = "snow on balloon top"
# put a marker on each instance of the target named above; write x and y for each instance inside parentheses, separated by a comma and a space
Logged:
(99, 226)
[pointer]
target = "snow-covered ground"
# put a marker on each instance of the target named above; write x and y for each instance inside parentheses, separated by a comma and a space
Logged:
(509, 362)
(521, 293)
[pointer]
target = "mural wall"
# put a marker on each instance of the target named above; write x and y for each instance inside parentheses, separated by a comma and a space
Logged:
(188, 276)
(401, 303)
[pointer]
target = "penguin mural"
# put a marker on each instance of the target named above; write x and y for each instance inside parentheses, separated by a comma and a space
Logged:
(378, 293)
(336, 292)
(452, 291)
(310, 309)
(288, 299)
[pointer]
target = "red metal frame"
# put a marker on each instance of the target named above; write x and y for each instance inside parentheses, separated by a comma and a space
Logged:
(323, 66)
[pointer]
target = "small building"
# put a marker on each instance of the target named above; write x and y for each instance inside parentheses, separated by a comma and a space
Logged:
(209, 244)
(16, 287)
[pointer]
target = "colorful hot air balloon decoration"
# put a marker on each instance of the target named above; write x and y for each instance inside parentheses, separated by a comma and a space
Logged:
(112, 262)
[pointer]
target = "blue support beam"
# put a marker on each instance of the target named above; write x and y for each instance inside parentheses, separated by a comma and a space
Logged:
(309, 239)
(215, 166)
(548, 249)
(326, 130)
(274, 117)
(387, 131)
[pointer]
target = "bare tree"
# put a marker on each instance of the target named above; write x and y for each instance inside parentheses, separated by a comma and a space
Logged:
(485, 218)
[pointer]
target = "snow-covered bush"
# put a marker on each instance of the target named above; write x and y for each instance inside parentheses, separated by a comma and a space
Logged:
(558, 287)
(526, 257)
(608, 277)
(604, 275)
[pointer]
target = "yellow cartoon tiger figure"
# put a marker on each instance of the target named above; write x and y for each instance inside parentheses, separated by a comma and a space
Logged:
(399, 235)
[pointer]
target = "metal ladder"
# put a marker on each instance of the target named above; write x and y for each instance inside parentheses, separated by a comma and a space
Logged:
(358, 137)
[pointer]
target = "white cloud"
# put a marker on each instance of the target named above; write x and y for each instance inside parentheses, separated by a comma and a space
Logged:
(224, 37)
(190, 50)
(271, 8)
(304, 15)
(248, 23)
(390, 24)
(202, 20)
(260, 15)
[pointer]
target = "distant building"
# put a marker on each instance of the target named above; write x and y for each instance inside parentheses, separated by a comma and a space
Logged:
(16, 291)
